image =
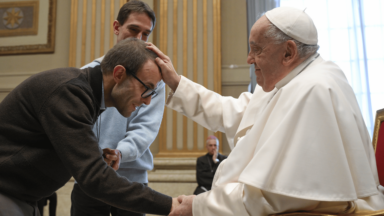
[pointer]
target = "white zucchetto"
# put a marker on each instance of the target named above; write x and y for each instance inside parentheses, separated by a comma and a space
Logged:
(295, 23)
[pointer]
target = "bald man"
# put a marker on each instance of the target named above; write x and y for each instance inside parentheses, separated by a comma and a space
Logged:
(299, 142)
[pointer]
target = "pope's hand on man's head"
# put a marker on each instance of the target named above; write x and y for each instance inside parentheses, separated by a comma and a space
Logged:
(112, 157)
(170, 76)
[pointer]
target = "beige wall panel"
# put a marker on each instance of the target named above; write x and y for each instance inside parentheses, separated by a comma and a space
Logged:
(79, 32)
(172, 130)
(200, 70)
(235, 76)
(179, 127)
(169, 133)
(179, 130)
(102, 40)
(189, 62)
(10, 82)
(170, 28)
(234, 32)
(88, 33)
(210, 43)
(190, 132)
(107, 25)
(97, 29)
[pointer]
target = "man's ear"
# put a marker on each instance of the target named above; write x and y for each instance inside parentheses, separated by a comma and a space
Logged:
(291, 53)
(116, 27)
(119, 74)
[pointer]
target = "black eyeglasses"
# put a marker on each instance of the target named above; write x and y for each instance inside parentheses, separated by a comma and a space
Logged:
(148, 92)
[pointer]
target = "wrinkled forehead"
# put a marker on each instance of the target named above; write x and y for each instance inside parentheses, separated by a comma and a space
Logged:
(258, 29)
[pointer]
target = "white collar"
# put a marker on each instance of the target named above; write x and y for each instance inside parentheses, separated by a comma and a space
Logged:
(296, 71)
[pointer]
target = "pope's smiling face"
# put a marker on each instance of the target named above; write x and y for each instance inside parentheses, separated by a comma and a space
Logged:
(126, 95)
(266, 55)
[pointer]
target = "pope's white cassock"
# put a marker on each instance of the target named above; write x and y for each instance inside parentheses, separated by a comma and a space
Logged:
(302, 146)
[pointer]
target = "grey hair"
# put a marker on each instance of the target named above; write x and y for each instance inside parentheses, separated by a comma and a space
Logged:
(130, 53)
(279, 37)
(217, 141)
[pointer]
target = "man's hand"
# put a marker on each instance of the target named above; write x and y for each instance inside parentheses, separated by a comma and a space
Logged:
(185, 207)
(175, 204)
(214, 156)
(112, 157)
(170, 76)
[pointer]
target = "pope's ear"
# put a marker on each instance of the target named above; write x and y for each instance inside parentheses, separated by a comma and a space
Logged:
(119, 74)
(291, 53)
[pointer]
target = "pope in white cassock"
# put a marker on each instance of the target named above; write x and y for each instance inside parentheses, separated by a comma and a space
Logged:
(298, 143)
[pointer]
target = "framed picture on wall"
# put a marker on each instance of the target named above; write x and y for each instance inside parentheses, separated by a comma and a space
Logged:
(27, 27)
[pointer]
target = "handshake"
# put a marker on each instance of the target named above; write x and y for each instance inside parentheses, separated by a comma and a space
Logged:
(182, 206)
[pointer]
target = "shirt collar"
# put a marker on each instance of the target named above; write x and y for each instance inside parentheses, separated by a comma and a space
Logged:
(296, 71)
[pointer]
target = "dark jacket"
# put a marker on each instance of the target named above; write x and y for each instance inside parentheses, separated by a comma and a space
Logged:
(205, 171)
(46, 137)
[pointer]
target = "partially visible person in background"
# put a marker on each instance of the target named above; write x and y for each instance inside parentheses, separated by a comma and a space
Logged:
(206, 165)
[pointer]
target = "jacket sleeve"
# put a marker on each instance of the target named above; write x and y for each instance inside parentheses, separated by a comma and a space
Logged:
(67, 118)
(143, 128)
(207, 107)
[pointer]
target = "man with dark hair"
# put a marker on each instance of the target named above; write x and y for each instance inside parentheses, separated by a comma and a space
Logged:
(46, 133)
(125, 141)
(133, 7)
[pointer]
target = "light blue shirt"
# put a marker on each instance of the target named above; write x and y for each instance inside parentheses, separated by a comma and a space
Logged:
(132, 135)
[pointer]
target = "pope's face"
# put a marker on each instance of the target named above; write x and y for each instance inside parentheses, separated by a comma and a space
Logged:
(137, 25)
(126, 95)
(211, 146)
(265, 55)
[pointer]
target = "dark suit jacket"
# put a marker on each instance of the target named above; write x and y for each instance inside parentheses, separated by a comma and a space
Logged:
(46, 137)
(205, 171)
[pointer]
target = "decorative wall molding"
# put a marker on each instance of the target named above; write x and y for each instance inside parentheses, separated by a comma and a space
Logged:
(12, 74)
(238, 83)
(5, 90)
